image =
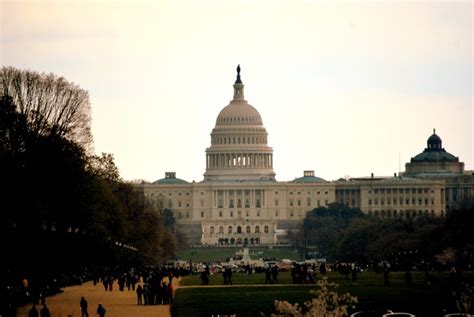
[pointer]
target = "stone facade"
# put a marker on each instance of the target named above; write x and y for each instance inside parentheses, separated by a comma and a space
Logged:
(240, 202)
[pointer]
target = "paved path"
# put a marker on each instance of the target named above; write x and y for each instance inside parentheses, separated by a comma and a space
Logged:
(117, 304)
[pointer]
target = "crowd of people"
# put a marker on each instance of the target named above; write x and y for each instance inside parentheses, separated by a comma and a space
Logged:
(152, 285)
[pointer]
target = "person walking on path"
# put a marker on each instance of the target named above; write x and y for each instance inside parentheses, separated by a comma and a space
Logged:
(101, 311)
(140, 295)
(83, 305)
(33, 312)
(44, 312)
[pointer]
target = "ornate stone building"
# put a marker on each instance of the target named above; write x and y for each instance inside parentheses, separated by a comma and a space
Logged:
(240, 202)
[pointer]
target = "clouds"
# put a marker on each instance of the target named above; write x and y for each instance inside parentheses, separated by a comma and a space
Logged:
(159, 72)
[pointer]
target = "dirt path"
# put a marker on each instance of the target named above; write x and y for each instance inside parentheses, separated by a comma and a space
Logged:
(117, 304)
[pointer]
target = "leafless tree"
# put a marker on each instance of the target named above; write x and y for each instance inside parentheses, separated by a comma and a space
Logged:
(51, 104)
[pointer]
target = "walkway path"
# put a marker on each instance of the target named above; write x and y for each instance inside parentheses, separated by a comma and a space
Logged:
(117, 304)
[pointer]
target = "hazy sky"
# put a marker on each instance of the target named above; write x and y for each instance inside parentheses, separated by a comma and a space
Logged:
(343, 88)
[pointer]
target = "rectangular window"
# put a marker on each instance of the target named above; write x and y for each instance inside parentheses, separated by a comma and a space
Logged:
(220, 213)
(202, 214)
(276, 202)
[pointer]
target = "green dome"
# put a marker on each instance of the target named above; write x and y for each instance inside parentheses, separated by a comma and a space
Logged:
(170, 179)
(430, 156)
(434, 151)
(309, 179)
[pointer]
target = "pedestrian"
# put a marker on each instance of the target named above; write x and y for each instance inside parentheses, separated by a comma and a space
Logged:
(353, 272)
(83, 305)
(386, 281)
(170, 293)
(33, 312)
(268, 274)
(111, 283)
(101, 311)
(44, 312)
(229, 275)
(224, 276)
(105, 283)
(140, 295)
(274, 274)
(322, 268)
(408, 278)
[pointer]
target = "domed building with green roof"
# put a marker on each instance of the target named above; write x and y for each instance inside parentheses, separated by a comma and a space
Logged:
(434, 159)
(240, 202)
(435, 163)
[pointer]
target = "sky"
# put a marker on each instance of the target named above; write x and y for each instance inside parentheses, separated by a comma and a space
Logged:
(344, 88)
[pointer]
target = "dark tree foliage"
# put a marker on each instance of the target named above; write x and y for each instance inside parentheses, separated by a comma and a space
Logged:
(63, 208)
(346, 234)
(321, 227)
(50, 104)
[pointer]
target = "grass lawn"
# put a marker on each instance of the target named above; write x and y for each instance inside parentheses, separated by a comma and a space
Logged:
(221, 254)
(372, 294)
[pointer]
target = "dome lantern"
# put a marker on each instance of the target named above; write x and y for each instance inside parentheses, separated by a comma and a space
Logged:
(434, 141)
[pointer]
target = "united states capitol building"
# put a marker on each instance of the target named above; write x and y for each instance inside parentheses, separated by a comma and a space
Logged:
(240, 202)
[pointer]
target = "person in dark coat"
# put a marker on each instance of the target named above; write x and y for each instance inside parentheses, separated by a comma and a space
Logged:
(140, 295)
(83, 305)
(33, 312)
(101, 311)
(44, 312)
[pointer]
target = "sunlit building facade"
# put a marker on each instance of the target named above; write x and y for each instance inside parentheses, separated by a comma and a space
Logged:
(239, 202)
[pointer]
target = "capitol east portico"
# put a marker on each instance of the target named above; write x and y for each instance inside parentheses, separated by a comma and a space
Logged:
(239, 202)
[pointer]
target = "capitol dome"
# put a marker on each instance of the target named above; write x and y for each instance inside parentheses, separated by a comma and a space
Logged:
(239, 148)
(239, 112)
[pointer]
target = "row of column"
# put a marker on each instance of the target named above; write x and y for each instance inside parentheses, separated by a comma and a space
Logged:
(256, 198)
(237, 140)
(219, 161)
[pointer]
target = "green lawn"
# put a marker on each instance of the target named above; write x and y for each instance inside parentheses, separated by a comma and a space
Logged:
(372, 294)
(221, 254)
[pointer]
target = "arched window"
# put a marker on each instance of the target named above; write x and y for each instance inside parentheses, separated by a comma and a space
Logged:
(265, 229)
(239, 203)
(231, 203)
(247, 229)
(229, 230)
(239, 229)
(221, 229)
(257, 229)
(212, 230)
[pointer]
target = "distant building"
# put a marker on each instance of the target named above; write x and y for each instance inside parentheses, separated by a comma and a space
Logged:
(240, 202)
(434, 163)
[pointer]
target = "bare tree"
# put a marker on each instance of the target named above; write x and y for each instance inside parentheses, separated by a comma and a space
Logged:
(51, 104)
